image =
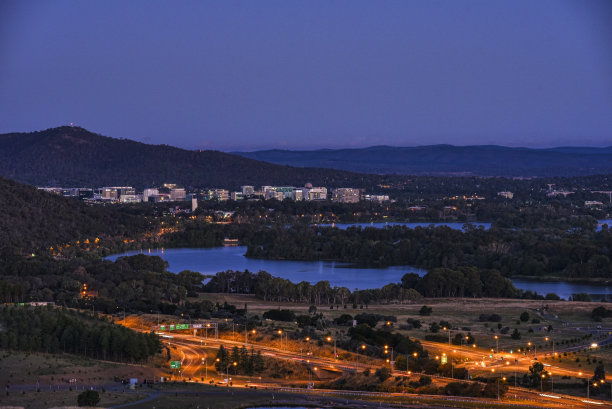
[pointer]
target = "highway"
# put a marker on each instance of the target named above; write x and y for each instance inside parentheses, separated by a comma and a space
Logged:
(193, 348)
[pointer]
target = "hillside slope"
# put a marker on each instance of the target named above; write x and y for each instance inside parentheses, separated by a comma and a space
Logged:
(72, 156)
(486, 160)
(32, 219)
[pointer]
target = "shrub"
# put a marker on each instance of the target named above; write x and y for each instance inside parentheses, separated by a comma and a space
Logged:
(489, 318)
(344, 319)
(88, 398)
(383, 373)
(279, 315)
(416, 324)
(425, 310)
(424, 380)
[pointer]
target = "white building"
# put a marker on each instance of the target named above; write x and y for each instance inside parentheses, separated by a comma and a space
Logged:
(177, 194)
(315, 193)
(380, 199)
(507, 195)
(221, 194)
(130, 198)
(147, 193)
(247, 190)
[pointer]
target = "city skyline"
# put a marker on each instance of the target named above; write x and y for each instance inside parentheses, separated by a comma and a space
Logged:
(237, 77)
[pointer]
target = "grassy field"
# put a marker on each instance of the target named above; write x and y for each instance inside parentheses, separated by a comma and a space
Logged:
(46, 399)
(46, 369)
(53, 372)
(463, 315)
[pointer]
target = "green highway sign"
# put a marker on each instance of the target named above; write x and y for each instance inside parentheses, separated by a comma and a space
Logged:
(175, 364)
(173, 327)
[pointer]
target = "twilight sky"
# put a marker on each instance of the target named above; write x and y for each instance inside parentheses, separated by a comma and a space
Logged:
(246, 75)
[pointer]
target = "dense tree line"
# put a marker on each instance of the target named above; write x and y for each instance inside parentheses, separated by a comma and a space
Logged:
(136, 283)
(576, 253)
(463, 282)
(53, 330)
(239, 361)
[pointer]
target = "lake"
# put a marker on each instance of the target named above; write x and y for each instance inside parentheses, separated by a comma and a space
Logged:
(412, 225)
(215, 259)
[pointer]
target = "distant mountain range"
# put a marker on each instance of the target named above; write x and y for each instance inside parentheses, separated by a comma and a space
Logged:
(73, 156)
(483, 160)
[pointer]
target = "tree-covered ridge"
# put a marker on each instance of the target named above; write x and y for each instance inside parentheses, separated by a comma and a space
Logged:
(53, 330)
(137, 283)
(73, 156)
(33, 219)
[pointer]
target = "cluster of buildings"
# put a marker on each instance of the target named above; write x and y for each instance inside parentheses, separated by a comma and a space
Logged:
(172, 193)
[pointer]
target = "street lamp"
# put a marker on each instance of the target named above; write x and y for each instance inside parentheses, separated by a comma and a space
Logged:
(386, 352)
(552, 341)
(498, 379)
(362, 347)
(204, 359)
(227, 372)
(280, 332)
(189, 319)
(496, 344)
(123, 308)
(308, 341)
(310, 384)
(535, 349)
(246, 334)
(449, 334)
(329, 339)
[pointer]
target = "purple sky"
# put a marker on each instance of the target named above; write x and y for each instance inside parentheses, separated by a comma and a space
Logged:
(308, 74)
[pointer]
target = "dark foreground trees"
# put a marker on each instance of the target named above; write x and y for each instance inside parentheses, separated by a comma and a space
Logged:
(54, 330)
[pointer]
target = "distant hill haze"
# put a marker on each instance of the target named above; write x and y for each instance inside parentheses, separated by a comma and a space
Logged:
(72, 156)
(482, 160)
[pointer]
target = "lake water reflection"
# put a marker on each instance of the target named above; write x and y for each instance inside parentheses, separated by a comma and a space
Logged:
(213, 260)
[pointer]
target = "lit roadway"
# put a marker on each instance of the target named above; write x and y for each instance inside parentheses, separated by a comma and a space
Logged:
(192, 349)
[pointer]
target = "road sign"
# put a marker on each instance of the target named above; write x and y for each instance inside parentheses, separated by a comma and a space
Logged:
(196, 326)
(443, 360)
(175, 364)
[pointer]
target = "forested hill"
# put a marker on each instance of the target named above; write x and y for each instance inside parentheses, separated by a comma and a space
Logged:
(451, 160)
(73, 156)
(31, 219)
